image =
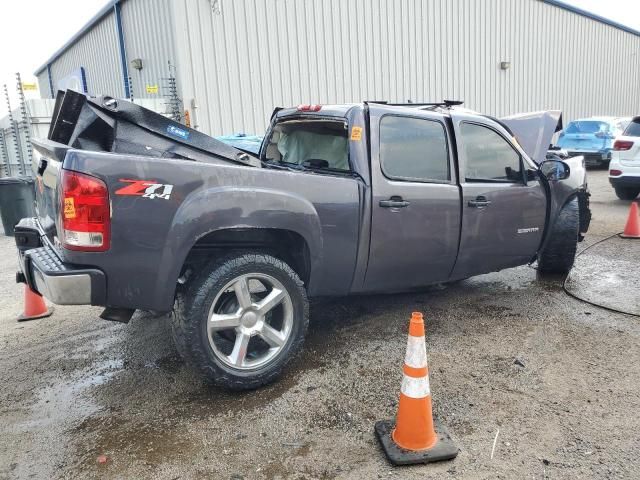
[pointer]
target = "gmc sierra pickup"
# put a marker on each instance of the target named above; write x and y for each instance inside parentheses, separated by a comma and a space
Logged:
(135, 211)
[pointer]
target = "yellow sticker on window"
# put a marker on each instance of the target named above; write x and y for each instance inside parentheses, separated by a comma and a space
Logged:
(356, 134)
(69, 208)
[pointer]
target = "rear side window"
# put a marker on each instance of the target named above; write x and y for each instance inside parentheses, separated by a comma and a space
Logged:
(413, 149)
(313, 144)
(489, 157)
(633, 129)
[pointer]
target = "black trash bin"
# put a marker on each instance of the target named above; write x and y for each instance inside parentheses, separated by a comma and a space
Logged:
(16, 201)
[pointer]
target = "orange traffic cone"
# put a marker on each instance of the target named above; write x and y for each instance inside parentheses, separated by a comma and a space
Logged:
(632, 228)
(415, 438)
(34, 306)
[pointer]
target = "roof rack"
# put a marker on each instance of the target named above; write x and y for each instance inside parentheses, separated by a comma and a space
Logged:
(444, 103)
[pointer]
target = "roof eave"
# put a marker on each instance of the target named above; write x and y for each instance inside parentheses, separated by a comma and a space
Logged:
(592, 16)
(103, 12)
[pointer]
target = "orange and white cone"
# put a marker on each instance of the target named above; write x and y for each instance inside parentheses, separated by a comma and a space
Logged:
(632, 228)
(34, 306)
(415, 438)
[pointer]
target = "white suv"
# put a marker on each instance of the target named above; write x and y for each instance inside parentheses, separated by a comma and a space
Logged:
(624, 169)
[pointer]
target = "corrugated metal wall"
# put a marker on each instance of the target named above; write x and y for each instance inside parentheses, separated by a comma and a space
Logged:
(149, 35)
(96, 51)
(240, 58)
(43, 84)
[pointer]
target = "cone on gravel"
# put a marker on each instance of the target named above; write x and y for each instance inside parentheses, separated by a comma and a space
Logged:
(632, 228)
(34, 306)
(415, 437)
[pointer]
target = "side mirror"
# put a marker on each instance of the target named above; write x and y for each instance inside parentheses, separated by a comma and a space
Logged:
(555, 170)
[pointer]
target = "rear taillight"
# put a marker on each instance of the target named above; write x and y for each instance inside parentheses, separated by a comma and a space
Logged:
(622, 145)
(615, 173)
(309, 108)
(85, 212)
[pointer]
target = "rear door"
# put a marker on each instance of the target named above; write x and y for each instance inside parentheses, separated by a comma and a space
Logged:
(415, 221)
(503, 216)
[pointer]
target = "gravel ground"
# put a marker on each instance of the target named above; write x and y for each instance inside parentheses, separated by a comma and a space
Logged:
(557, 381)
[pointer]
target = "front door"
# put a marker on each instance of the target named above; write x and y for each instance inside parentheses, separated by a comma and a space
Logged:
(415, 222)
(503, 214)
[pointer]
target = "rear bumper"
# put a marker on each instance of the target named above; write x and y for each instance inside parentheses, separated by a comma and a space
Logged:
(625, 181)
(45, 273)
(592, 158)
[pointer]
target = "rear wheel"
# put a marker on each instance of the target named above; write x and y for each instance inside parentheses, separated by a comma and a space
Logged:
(626, 193)
(560, 251)
(241, 320)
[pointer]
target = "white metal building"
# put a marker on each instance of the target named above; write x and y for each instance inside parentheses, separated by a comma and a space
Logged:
(235, 60)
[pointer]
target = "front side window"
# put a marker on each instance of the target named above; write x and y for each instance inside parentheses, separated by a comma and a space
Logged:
(413, 149)
(489, 157)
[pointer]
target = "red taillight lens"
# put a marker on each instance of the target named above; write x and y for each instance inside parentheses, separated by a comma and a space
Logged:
(615, 173)
(309, 108)
(85, 212)
(622, 145)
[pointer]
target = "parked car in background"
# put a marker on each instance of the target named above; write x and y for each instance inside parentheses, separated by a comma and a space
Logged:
(592, 138)
(624, 170)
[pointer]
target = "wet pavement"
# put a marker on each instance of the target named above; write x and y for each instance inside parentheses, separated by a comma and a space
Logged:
(510, 354)
(606, 274)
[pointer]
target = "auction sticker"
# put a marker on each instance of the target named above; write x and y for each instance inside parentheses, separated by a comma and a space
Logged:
(356, 134)
(69, 208)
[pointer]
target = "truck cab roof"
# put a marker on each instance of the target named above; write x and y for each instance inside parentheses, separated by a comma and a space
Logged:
(343, 110)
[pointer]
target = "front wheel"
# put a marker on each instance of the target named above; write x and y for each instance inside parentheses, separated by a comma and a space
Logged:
(241, 320)
(627, 193)
(560, 251)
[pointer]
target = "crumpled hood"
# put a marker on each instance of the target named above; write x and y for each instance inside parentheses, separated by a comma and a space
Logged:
(534, 131)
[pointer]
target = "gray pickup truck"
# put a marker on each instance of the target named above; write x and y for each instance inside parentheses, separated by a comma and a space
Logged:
(135, 211)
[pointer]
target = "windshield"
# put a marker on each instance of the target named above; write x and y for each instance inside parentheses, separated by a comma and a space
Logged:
(587, 126)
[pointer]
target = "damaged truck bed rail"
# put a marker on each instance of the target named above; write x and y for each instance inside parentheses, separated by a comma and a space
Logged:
(106, 124)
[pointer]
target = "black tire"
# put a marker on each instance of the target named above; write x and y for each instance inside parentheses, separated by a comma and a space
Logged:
(191, 314)
(560, 251)
(626, 193)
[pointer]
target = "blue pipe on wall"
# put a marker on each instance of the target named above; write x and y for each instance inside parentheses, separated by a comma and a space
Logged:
(123, 51)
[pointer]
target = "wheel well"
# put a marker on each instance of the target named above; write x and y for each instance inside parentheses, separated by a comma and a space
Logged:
(584, 211)
(286, 245)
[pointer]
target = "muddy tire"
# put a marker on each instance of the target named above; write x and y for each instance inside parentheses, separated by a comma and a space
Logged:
(560, 252)
(627, 193)
(241, 320)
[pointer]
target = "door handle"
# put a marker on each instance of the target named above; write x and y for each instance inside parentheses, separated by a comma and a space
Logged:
(480, 202)
(394, 202)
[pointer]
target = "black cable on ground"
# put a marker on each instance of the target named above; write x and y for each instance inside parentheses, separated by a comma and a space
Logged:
(564, 283)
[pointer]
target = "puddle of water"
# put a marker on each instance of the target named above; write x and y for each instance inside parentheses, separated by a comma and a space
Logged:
(64, 401)
(606, 275)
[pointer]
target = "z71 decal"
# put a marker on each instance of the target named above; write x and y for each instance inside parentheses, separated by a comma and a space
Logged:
(146, 189)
